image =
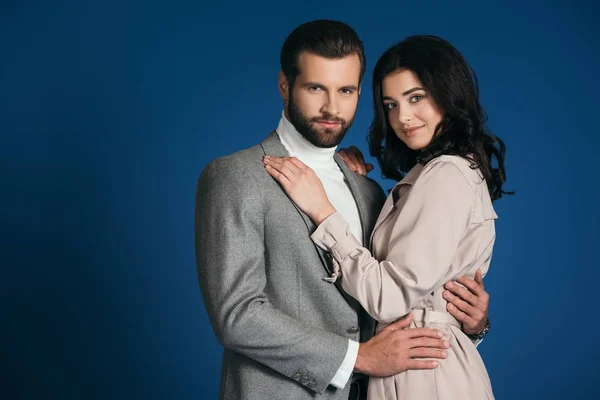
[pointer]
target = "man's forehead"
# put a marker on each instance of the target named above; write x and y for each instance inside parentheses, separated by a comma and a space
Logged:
(309, 58)
(313, 66)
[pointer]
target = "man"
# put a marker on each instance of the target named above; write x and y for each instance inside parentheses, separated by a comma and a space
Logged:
(288, 329)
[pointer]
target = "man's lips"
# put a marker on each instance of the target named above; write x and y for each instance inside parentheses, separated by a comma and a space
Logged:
(329, 124)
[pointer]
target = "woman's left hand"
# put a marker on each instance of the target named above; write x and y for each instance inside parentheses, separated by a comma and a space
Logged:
(302, 185)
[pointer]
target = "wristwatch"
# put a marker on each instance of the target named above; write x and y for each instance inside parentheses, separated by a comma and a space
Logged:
(480, 335)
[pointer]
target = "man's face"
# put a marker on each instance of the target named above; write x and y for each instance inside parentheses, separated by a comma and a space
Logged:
(322, 103)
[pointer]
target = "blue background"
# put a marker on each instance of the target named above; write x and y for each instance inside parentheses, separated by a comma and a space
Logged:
(109, 111)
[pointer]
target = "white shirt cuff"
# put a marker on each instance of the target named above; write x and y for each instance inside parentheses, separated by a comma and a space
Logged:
(343, 373)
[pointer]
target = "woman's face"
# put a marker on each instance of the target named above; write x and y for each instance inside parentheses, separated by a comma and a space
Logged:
(411, 111)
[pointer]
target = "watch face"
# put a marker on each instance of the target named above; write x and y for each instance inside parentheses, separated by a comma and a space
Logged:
(485, 330)
(480, 335)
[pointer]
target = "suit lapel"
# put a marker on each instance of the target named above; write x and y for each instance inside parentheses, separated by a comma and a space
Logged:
(365, 214)
(272, 146)
(361, 202)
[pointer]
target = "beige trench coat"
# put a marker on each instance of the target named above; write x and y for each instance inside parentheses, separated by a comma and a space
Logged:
(436, 225)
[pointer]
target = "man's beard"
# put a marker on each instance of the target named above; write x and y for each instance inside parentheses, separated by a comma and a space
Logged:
(308, 127)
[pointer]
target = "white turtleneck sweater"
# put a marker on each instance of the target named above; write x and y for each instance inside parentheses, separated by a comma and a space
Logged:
(321, 161)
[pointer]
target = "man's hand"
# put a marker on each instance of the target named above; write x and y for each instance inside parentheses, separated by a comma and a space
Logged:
(468, 304)
(395, 349)
(353, 157)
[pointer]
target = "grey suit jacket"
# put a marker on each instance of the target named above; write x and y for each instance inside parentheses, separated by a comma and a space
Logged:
(284, 328)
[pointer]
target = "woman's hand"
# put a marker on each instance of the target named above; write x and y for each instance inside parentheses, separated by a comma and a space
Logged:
(302, 185)
(354, 159)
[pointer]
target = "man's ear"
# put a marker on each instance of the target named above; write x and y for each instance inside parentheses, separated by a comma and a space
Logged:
(283, 86)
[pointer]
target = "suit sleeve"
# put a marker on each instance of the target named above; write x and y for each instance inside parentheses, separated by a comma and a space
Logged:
(230, 247)
(423, 243)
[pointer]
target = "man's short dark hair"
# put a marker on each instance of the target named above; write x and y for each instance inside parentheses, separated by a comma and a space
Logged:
(325, 38)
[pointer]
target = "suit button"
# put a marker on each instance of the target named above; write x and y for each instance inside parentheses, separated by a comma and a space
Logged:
(296, 376)
(311, 384)
(352, 329)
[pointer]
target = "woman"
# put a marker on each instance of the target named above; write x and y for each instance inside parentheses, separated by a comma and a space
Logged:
(438, 222)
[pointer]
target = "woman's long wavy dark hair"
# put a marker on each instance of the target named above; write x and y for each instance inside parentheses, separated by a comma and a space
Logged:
(451, 82)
